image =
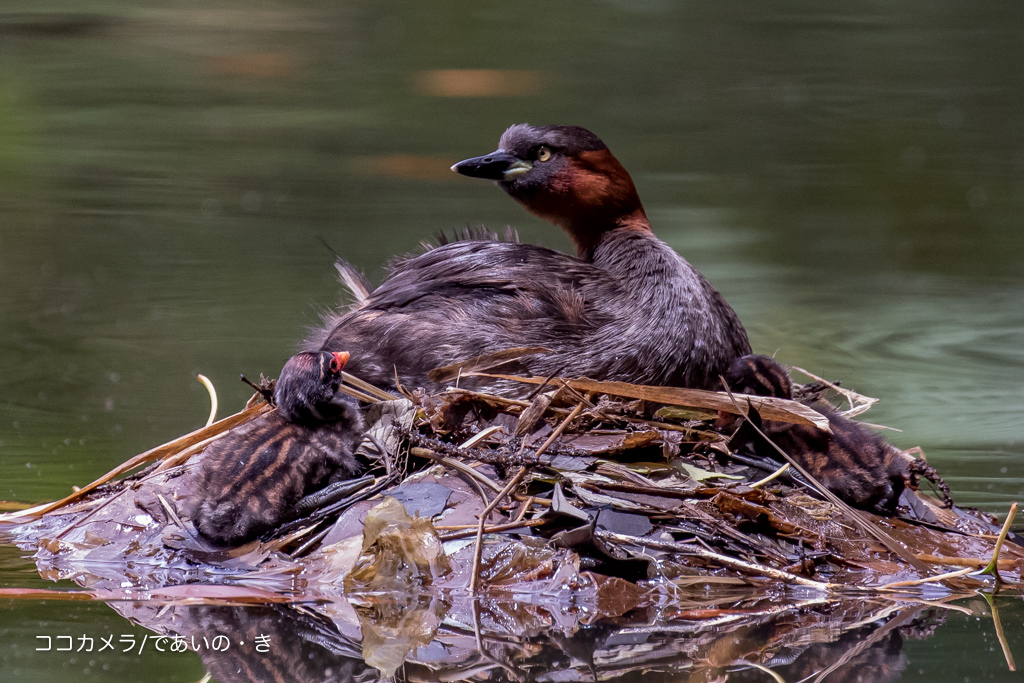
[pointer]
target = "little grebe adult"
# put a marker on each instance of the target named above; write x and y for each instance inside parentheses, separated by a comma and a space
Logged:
(626, 307)
(250, 480)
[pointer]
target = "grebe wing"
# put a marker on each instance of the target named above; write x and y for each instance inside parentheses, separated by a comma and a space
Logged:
(481, 270)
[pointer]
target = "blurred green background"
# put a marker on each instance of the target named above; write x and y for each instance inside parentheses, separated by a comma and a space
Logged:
(849, 174)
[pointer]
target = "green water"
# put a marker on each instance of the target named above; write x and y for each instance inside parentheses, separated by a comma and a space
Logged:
(849, 175)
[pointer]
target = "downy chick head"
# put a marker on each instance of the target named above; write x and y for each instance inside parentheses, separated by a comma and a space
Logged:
(307, 391)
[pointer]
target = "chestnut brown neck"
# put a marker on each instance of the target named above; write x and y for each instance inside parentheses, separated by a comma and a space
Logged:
(591, 197)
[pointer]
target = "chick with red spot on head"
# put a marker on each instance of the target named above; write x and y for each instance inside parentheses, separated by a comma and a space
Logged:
(250, 480)
(307, 390)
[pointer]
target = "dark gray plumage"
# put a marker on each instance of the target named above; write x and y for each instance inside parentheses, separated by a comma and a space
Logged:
(627, 307)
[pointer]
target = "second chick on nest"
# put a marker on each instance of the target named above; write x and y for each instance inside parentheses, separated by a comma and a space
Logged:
(853, 462)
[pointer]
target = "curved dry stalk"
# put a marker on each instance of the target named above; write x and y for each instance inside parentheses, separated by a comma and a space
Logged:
(930, 579)
(205, 381)
(398, 385)
(455, 465)
(480, 436)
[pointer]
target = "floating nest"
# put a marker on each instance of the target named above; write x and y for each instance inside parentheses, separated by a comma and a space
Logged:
(588, 501)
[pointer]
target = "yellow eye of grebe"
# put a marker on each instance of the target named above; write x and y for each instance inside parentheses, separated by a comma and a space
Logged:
(543, 153)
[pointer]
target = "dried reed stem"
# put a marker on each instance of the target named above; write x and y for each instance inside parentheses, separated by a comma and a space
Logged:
(559, 429)
(859, 403)
(930, 579)
(770, 407)
(474, 581)
(455, 465)
(367, 387)
(777, 473)
(163, 451)
(993, 565)
(467, 530)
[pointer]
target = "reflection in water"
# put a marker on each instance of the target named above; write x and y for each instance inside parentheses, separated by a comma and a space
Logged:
(302, 645)
(843, 640)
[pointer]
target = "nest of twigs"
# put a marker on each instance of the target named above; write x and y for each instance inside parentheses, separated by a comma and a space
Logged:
(582, 478)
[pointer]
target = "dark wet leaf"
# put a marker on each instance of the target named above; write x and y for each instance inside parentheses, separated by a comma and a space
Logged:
(122, 529)
(919, 510)
(422, 499)
(610, 559)
(562, 508)
(567, 463)
(615, 596)
(624, 523)
(759, 514)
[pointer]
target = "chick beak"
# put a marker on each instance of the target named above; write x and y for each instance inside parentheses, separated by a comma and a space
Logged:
(497, 165)
(342, 358)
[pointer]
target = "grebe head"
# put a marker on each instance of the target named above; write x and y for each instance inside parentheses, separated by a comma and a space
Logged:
(307, 391)
(564, 174)
(759, 376)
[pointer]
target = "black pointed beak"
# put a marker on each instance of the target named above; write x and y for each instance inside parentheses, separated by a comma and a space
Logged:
(497, 165)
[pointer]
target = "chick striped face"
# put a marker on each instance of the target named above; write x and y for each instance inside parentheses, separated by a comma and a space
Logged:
(760, 376)
(309, 385)
(331, 364)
